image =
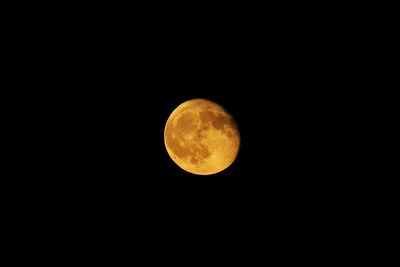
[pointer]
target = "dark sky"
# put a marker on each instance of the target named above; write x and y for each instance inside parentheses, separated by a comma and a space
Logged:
(92, 85)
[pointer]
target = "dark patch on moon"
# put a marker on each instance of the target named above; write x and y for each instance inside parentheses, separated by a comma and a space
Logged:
(218, 121)
(185, 123)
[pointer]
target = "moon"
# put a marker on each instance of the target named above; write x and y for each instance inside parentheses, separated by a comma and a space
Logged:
(201, 137)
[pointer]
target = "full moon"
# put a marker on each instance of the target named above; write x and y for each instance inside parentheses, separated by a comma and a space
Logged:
(201, 137)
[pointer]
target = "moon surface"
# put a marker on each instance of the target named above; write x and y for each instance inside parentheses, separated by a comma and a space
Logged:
(201, 137)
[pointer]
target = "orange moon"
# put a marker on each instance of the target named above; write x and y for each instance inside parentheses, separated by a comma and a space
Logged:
(201, 137)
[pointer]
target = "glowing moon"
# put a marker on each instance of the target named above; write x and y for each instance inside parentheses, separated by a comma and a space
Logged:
(201, 137)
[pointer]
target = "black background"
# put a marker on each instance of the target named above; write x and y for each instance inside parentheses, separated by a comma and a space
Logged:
(92, 84)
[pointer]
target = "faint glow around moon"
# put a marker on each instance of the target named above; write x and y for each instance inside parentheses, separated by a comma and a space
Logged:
(201, 137)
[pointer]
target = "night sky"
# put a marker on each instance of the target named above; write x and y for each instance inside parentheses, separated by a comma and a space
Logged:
(92, 85)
